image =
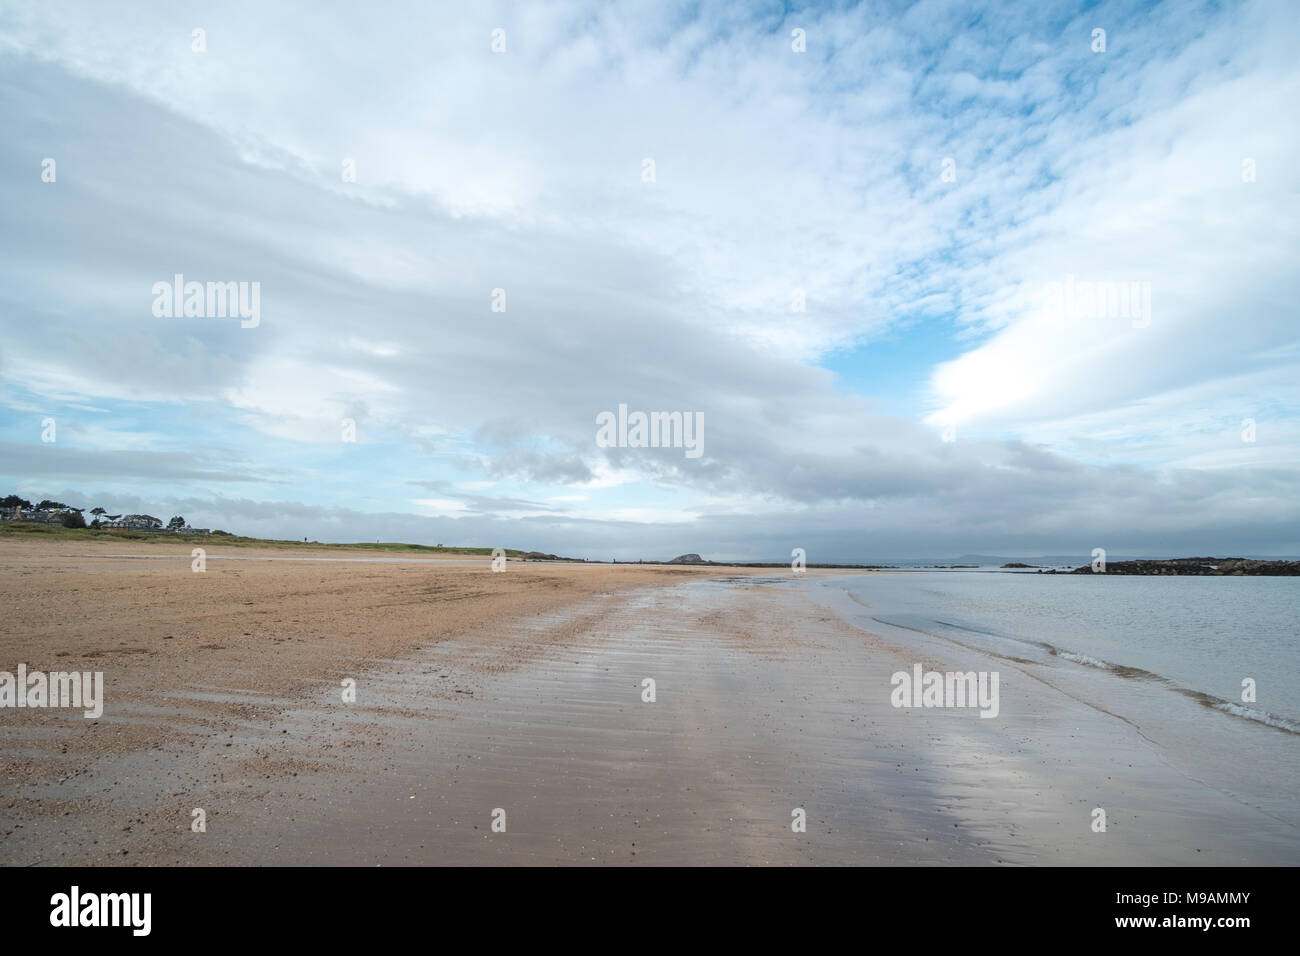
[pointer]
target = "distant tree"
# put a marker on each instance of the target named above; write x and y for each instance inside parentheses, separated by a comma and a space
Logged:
(48, 505)
(97, 512)
(176, 524)
(73, 519)
(13, 501)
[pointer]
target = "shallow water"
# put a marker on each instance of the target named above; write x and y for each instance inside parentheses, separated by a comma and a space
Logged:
(1204, 634)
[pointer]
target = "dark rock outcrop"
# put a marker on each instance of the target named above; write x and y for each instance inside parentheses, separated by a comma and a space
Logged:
(1220, 567)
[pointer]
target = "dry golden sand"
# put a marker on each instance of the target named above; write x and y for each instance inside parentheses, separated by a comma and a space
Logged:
(245, 627)
(191, 657)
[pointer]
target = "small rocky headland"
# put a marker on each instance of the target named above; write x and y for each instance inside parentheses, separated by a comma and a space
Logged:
(1207, 566)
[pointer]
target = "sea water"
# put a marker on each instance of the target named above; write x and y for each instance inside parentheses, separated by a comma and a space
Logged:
(1203, 634)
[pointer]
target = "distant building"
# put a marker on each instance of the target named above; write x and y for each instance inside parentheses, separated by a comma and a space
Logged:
(136, 523)
(37, 515)
(110, 522)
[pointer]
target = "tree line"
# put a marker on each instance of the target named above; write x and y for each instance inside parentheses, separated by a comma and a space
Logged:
(75, 517)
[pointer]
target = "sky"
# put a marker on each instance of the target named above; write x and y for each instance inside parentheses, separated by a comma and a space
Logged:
(861, 244)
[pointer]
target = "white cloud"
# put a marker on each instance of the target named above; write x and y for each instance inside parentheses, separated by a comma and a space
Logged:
(774, 172)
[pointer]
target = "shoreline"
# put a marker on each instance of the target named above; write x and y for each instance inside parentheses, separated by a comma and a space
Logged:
(1156, 567)
(523, 691)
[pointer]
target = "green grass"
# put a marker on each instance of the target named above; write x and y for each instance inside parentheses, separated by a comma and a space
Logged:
(20, 529)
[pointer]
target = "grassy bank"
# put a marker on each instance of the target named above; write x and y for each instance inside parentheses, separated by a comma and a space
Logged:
(21, 529)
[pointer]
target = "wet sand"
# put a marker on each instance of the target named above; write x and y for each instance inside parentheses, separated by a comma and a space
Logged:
(522, 692)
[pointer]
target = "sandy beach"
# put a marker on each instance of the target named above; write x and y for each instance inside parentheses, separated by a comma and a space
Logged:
(519, 696)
